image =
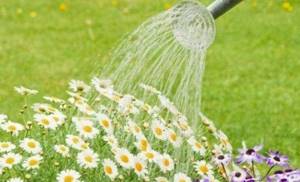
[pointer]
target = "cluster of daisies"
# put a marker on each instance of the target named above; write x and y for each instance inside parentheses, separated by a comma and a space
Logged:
(98, 134)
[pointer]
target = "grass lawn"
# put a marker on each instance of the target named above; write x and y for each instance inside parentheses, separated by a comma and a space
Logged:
(252, 79)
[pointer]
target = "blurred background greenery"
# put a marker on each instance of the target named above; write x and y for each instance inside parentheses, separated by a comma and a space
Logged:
(252, 78)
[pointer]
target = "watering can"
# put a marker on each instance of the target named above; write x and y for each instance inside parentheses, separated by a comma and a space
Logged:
(219, 7)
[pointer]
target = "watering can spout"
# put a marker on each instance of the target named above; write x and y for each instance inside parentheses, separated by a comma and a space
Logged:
(219, 7)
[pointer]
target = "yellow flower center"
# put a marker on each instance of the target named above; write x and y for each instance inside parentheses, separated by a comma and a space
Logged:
(108, 170)
(4, 145)
(173, 136)
(198, 145)
(158, 131)
(31, 144)
(203, 169)
(88, 159)
(149, 155)
(45, 122)
(138, 167)
(87, 129)
(124, 158)
(105, 123)
(143, 145)
(75, 140)
(68, 179)
(166, 162)
(12, 128)
(10, 160)
(33, 162)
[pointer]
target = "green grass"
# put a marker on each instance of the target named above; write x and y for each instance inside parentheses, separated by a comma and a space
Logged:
(251, 84)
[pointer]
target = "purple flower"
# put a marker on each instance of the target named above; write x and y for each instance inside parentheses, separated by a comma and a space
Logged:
(238, 176)
(222, 159)
(288, 175)
(276, 159)
(250, 155)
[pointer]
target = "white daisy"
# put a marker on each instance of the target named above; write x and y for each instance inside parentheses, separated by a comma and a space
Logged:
(150, 155)
(134, 129)
(12, 127)
(140, 166)
(165, 102)
(10, 159)
(161, 179)
(15, 180)
(68, 176)
(54, 100)
(62, 150)
(101, 85)
(79, 86)
(110, 168)
(165, 162)
(196, 146)
(76, 142)
(174, 138)
(183, 126)
(76, 99)
(87, 159)
(6, 146)
(142, 144)
(126, 105)
(105, 122)
(45, 121)
(25, 91)
(3, 118)
(111, 140)
(58, 117)
(203, 168)
(43, 108)
(31, 146)
(159, 130)
(32, 162)
(124, 158)
(181, 177)
(86, 129)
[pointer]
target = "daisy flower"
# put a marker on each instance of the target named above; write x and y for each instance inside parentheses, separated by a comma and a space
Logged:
(150, 155)
(158, 130)
(15, 180)
(275, 158)
(111, 140)
(6, 146)
(142, 144)
(32, 162)
(101, 85)
(10, 159)
(31, 146)
(79, 86)
(62, 150)
(181, 177)
(134, 129)
(140, 166)
(110, 169)
(126, 105)
(58, 117)
(105, 123)
(45, 121)
(165, 102)
(68, 175)
(174, 138)
(124, 158)
(165, 163)
(196, 146)
(76, 142)
(87, 159)
(222, 159)
(86, 129)
(161, 179)
(3, 118)
(25, 91)
(203, 168)
(184, 127)
(12, 127)
(43, 108)
(249, 155)
(54, 100)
